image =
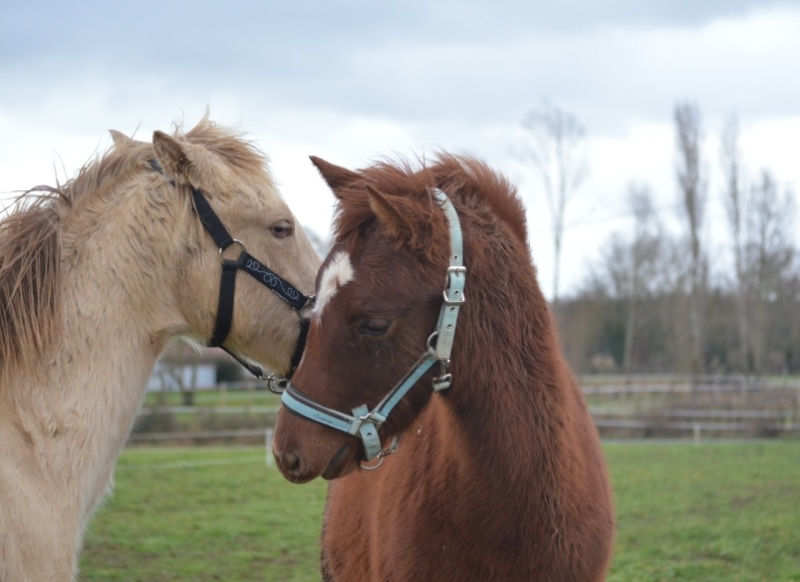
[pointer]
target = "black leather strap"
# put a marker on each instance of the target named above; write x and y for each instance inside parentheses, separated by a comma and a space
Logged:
(300, 346)
(227, 287)
(210, 220)
(277, 284)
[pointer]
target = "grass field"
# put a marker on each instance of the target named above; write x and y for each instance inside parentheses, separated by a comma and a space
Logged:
(715, 512)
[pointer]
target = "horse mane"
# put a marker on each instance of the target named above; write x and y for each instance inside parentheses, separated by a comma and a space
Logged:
(31, 236)
(461, 177)
(29, 276)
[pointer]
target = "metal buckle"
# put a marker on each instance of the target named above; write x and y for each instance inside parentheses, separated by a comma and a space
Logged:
(451, 302)
(368, 418)
(454, 270)
(444, 379)
(443, 382)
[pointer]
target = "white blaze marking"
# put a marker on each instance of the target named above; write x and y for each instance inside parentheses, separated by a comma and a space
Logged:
(337, 274)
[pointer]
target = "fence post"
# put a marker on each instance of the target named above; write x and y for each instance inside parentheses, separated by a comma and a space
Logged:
(696, 430)
(268, 458)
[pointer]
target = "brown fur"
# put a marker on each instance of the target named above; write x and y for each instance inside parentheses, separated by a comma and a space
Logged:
(96, 276)
(501, 477)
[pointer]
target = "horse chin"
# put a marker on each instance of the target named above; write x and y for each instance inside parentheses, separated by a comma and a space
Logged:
(343, 462)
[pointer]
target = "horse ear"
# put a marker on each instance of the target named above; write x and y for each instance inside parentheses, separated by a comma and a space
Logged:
(179, 159)
(391, 214)
(171, 155)
(335, 176)
(121, 141)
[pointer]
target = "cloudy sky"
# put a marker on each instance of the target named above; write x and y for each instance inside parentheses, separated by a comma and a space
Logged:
(355, 80)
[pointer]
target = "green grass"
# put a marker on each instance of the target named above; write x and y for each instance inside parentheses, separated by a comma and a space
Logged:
(204, 514)
(713, 512)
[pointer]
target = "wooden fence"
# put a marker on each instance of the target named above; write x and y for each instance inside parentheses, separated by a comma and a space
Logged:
(622, 407)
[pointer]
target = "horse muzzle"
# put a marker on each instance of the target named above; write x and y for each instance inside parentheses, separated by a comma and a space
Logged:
(304, 451)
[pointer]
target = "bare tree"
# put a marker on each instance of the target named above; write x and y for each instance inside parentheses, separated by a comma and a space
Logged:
(692, 187)
(735, 204)
(630, 268)
(760, 221)
(644, 260)
(768, 256)
(559, 152)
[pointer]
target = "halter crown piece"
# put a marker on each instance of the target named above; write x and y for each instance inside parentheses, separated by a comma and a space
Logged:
(364, 422)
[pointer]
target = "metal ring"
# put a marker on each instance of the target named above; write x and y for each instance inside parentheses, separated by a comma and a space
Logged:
(306, 310)
(429, 343)
(390, 450)
(375, 466)
(235, 242)
(276, 385)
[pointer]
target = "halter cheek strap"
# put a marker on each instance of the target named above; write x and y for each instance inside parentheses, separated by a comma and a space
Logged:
(227, 287)
(365, 423)
(258, 271)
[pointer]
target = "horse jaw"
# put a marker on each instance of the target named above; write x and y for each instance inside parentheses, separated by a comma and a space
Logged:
(338, 465)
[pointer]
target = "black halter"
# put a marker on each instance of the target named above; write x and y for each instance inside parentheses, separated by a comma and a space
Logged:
(245, 261)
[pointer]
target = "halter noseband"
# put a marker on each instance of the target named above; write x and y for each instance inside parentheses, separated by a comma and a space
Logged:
(245, 261)
(364, 422)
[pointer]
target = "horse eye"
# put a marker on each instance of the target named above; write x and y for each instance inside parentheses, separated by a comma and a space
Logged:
(374, 327)
(281, 229)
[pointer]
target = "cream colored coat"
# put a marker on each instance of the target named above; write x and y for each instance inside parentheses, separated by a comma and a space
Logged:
(95, 278)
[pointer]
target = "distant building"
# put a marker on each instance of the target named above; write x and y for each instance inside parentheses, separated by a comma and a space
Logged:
(182, 367)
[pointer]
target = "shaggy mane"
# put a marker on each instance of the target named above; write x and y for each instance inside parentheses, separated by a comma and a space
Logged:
(461, 177)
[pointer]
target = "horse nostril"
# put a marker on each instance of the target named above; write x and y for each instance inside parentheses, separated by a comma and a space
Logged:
(289, 462)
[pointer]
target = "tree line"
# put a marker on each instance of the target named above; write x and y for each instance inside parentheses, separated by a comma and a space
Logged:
(659, 302)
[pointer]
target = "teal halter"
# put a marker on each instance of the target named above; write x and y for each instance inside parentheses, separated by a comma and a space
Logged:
(364, 422)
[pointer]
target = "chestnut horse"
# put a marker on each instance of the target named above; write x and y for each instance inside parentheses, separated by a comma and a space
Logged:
(499, 475)
(96, 276)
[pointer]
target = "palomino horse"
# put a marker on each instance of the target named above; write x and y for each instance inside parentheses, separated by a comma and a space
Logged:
(499, 475)
(95, 278)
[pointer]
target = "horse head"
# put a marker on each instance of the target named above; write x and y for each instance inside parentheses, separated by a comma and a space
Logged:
(230, 175)
(379, 293)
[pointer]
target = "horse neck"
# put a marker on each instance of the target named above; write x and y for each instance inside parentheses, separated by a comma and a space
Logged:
(511, 384)
(117, 310)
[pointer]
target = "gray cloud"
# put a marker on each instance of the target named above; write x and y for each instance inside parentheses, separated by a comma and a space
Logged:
(356, 78)
(417, 60)
(309, 36)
